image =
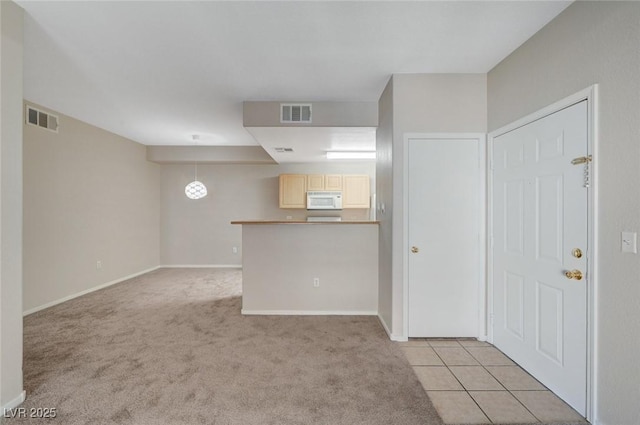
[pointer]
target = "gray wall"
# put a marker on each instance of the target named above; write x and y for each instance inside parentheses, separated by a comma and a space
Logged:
(421, 103)
(384, 196)
(595, 42)
(11, 24)
(283, 261)
(89, 195)
(198, 232)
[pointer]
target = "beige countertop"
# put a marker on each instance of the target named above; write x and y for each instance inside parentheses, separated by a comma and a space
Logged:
(303, 222)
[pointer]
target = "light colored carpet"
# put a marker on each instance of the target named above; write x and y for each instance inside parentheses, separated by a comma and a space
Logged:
(171, 347)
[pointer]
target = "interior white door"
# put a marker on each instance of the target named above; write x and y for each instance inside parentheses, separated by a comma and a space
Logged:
(539, 223)
(443, 226)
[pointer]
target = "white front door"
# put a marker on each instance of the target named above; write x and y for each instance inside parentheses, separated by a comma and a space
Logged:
(443, 237)
(539, 224)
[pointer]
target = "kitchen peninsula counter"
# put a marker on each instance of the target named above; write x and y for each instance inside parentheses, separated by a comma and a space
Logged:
(309, 267)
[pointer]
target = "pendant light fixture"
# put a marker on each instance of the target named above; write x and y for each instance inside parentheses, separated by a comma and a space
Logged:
(196, 189)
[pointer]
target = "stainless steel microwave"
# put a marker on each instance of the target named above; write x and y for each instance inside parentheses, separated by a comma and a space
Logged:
(324, 200)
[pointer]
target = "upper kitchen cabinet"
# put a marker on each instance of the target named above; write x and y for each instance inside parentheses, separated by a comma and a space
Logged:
(293, 191)
(355, 191)
(324, 182)
(332, 182)
(315, 182)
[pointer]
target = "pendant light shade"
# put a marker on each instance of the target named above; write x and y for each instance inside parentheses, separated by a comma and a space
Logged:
(196, 189)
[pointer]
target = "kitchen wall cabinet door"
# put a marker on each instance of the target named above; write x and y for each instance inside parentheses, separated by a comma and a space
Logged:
(355, 191)
(293, 191)
(333, 182)
(324, 182)
(315, 182)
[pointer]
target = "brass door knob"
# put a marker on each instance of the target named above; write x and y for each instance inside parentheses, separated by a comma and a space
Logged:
(573, 274)
(414, 249)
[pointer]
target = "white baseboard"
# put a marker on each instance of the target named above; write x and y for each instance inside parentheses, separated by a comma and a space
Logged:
(87, 291)
(398, 338)
(384, 325)
(201, 266)
(392, 337)
(15, 402)
(309, 312)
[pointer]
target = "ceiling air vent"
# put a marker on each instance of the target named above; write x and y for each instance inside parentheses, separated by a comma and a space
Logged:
(295, 113)
(281, 150)
(41, 119)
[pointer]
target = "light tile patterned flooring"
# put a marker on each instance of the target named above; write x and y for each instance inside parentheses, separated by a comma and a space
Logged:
(472, 382)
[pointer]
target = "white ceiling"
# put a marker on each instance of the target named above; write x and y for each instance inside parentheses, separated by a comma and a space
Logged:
(158, 72)
(310, 144)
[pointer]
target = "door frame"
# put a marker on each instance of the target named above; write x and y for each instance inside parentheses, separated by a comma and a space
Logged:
(590, 94)
(481, 138)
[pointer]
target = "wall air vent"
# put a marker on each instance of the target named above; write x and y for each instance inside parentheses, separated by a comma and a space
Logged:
(282, 150)
(295, 113)
(41, 119)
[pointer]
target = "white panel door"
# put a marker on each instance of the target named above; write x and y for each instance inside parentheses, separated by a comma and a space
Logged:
(443, 226)
(539, 220)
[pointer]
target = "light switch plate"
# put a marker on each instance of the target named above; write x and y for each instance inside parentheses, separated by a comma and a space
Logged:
(629, 242)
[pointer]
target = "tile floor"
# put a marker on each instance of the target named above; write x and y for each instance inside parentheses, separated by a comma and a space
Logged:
(472, 382)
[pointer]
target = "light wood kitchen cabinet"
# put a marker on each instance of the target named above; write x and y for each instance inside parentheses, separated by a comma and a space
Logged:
(333, 182)
(315, 182)
(324, 182)
(355, 191)
(293, 191)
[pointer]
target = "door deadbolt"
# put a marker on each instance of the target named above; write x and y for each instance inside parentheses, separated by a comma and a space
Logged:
(577, 252)
(573, 274)
(414, 249)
